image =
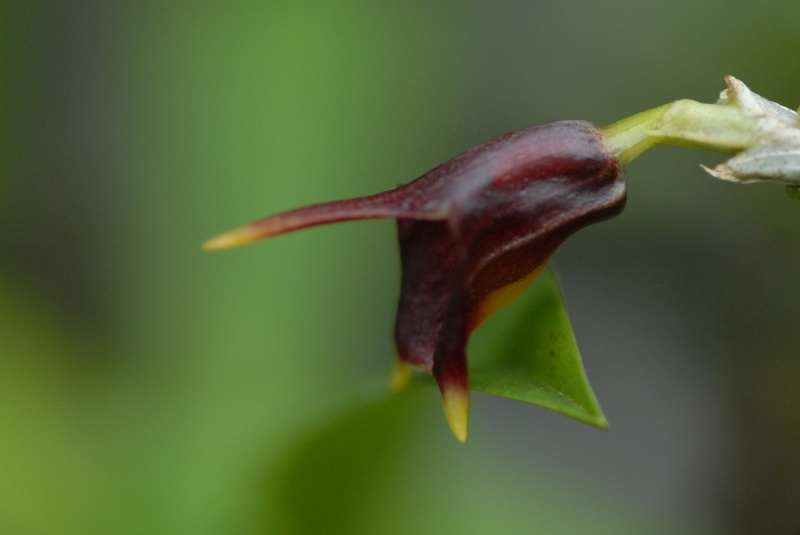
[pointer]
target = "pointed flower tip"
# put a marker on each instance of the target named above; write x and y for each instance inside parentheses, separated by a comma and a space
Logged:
(401, 376)
(455, 399)
(234, 238)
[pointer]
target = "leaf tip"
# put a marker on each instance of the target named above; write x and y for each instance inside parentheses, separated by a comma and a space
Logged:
(601, 423)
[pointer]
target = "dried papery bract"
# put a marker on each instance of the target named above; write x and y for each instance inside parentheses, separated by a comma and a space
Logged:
(474, 233)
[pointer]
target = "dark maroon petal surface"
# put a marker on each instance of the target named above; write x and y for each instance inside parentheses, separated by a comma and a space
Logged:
(473, 232)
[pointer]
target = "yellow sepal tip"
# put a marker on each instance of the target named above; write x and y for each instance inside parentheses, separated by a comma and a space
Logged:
(234, 238)
(401, 375)
(456, 410)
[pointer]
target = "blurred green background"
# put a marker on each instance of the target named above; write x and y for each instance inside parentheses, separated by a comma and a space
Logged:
(147, 387)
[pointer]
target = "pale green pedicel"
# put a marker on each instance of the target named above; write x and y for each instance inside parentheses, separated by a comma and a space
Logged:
(763, 135)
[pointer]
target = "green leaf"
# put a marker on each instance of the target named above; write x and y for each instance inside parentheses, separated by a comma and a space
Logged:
(332, 480)
(528, 352)
(389, 466)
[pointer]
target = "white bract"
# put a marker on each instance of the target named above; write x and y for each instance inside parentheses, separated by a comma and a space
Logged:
(764, 135)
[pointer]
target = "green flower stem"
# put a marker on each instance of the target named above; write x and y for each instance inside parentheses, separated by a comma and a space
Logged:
(715, 127)
(763, 136)
(628, 138)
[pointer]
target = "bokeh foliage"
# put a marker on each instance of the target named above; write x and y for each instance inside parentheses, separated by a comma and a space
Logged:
(146, 387)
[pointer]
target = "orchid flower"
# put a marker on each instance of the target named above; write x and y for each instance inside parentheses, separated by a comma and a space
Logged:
(474, 232)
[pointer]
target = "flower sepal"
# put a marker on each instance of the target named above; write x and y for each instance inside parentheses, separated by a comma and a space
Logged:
(474, 233)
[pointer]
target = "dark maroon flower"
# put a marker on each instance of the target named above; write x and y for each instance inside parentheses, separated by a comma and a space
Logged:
(474, 233)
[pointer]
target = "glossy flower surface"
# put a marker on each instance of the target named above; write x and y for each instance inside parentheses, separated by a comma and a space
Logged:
(474, 233)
